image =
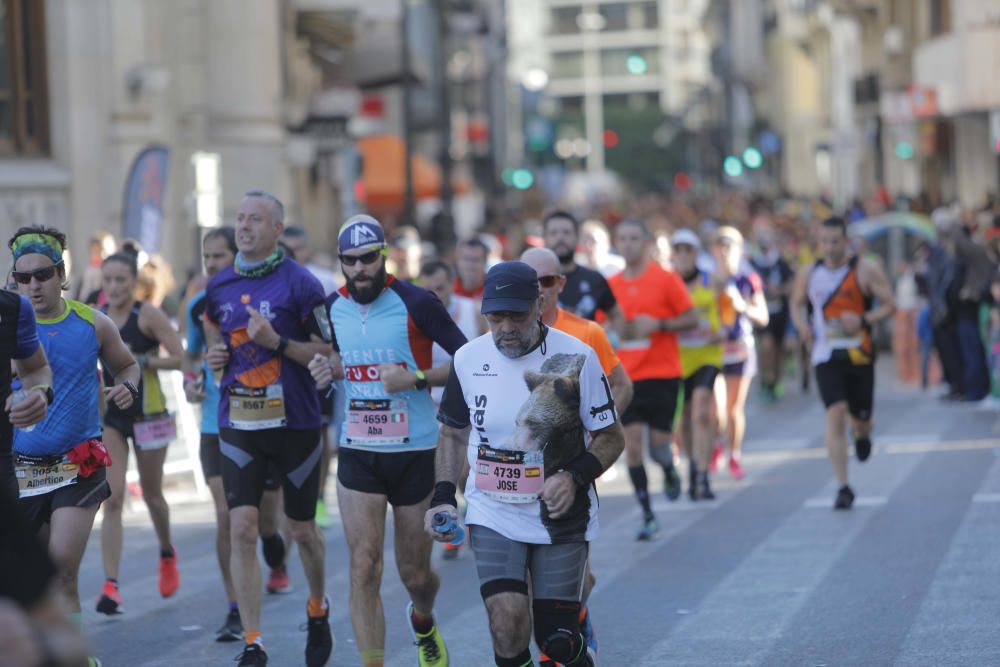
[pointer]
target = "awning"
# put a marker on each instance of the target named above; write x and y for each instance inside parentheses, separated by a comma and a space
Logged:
(384, 175)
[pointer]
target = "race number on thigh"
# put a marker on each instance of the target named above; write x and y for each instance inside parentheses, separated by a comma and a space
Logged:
(510, 476)
(378, 422)
(257, 408)
(154, 432)
(38, 476)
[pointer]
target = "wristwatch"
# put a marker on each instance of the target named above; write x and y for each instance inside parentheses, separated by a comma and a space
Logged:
(49, 396)
(421, 382)
(128, 384)
(282, 344)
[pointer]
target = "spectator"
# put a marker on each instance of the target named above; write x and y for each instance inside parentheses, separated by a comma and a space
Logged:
(905, 346)
(973, 275)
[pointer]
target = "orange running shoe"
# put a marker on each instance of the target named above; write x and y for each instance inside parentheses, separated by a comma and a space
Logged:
(110, 600)
(277, 582)
(170, 578)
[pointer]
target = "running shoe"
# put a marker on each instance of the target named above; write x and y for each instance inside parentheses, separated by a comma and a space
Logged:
(649, 528)
(252, 656)
(587, 630)
(671, 483)
(93, 662)
(323, 519)
(170, 578)
(451, 551)
(863, 447)
(845, 498)
(110, 601)
(232, 628)
(431, 651)
(319, 640)
(692, 481)
(277, 581)
(717, 456)
(735, 468)
(704, 489)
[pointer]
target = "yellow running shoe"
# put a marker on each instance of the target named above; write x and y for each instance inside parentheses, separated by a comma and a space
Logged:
(431, 650)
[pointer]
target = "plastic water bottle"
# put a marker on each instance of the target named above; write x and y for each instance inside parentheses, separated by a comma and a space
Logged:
(17, 396)
(444, 523)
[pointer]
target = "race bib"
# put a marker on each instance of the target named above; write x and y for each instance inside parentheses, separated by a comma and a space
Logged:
(378, 422)
(510, 476)
(735, 351)
(257, 408)
(155, 432)
(837, 339)
(36, 477)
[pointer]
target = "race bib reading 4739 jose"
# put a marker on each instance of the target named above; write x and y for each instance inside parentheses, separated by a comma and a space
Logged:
(510, 476)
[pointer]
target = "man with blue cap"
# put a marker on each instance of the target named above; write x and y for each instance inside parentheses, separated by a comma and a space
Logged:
(384, 331)
(533, 413)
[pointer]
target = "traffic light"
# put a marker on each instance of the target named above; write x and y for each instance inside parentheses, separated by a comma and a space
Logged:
(682, 181)
(610, 138)
(636, 64)
(904, 150)
(522, 179)
(753, 158)
(732, 166)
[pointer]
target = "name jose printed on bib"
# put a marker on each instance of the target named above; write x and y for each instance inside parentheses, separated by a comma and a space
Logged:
(510, 476)
(257, 408)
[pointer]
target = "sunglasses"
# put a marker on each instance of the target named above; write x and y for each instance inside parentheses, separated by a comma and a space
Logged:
(548, 281)
(367, 259)
(41, 275)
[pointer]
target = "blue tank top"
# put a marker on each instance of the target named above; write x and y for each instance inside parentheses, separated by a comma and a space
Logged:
(196, 345)
(70, 343)
(399, 327)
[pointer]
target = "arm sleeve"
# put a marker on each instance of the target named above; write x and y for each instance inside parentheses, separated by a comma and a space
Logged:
(430, 315)
(454, 411)
(597, 405)
(329, 310)
(195, 333)
(27, 334)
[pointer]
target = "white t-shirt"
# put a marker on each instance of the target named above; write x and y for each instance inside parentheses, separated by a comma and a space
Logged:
(539, 408)
(463, 311)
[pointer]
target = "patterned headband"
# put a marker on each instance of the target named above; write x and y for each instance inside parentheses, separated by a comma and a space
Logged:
(42, 244)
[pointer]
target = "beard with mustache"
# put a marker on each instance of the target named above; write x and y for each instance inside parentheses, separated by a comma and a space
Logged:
(365, 294)
(564, 253)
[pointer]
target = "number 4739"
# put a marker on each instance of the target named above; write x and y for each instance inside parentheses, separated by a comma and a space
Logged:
(509, 473)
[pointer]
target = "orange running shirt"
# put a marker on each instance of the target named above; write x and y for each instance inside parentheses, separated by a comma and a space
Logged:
(590, 333)
(659, 294)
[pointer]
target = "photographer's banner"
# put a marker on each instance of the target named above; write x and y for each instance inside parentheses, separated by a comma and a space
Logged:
(142, 212)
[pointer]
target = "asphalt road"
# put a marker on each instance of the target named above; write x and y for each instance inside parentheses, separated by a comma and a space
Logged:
(767, 574)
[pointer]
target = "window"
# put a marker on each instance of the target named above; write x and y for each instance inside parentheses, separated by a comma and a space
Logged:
(940, 17)
(24, 113)
(649, 17)
(567, 65)
(615, 17)
(564, 21)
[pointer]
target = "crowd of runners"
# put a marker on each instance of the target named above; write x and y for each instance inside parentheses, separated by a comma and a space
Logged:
(481, 397)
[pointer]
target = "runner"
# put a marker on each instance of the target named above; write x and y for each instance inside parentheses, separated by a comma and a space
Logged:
(832, 304)
(384, 330)
(270, 315)
(437, 277)
(701, 361)
(550, 282)
(69, 444)
(742, 307)
(470, 261)
(586, 291)
(144, 328)
(536, 397)
(777, 277)
(656, 306)
(219, 251)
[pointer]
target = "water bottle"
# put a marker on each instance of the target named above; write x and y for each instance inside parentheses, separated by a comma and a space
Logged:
(17, 396)
(444, 523)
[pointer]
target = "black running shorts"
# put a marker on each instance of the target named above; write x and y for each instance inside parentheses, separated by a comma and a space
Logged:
(87, 492)
(842, 380)
(556, 570)
(703, 378)
(295, 456)
(654, 402)
(404, 478)
(211, 462)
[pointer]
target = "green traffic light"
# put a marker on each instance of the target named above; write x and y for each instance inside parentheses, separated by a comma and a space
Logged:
(753, 158)
(522, 179)
(732, 166)
(904, 150)
(636, 65)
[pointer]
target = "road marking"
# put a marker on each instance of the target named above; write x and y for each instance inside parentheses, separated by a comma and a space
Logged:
(986, 498)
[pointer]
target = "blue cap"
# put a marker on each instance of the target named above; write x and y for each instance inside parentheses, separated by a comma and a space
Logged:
(361, 231)
(510, 287)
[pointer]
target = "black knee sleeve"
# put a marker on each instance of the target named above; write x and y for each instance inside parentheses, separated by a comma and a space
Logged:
(557, 631)
(521, 660)
(274, 550)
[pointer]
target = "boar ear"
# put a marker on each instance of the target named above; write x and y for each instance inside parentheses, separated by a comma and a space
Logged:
(567, 389)
(533, 379)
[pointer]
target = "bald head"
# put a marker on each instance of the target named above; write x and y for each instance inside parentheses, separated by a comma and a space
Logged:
(542, 260)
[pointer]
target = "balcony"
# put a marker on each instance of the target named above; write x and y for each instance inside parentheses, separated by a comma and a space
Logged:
(960, 67)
